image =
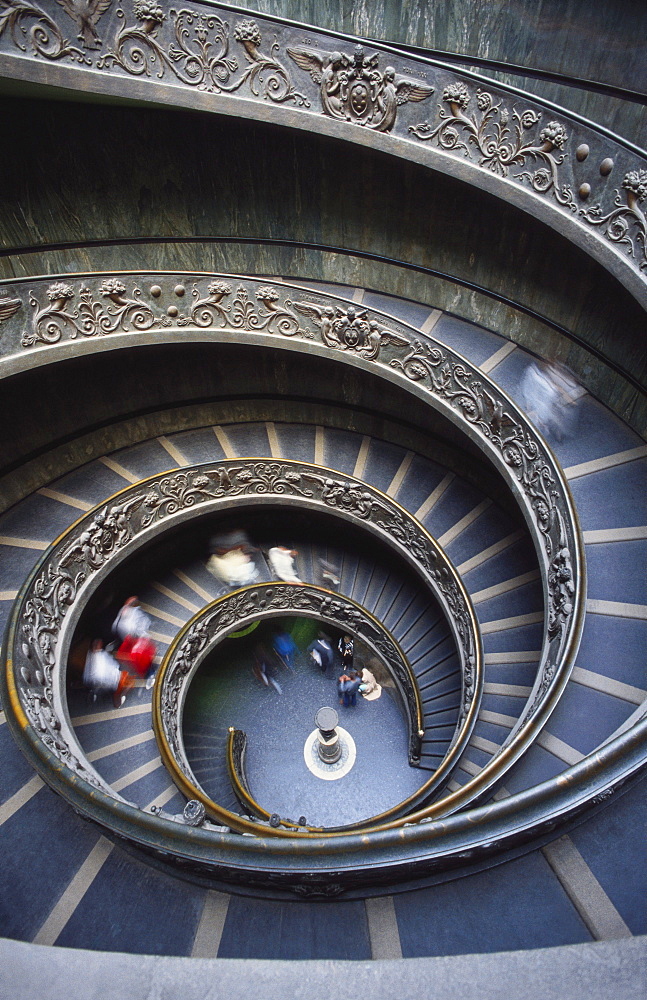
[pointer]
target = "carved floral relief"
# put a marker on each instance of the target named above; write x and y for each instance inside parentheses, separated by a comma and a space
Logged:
(626, 222)
(500, 138)
(212, 50)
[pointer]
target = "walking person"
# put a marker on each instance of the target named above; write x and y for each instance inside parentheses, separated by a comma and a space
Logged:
(346, 648)
(137, 649)
(102, 673)
(321, 653)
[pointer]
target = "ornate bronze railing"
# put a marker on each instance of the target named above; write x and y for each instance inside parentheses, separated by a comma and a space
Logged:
(270, 600)
(584, 182)
(52, 598)
(76, 315)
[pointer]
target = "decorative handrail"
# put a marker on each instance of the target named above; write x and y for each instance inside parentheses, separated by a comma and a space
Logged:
(236, 747)
(214, 622)
(613, 364)
(222, 307)
(13, 297)
(213, 58)
(52, 598)
(327, 867)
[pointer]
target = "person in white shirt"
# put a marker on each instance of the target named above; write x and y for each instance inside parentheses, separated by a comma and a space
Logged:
(131, 621)
(282, 563)
(103, 673)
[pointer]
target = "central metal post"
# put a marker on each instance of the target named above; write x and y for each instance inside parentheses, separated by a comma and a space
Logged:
(328, 744)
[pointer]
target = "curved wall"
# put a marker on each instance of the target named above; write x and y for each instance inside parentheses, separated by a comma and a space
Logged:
(602, 43)
(63, 415)
(132, 174)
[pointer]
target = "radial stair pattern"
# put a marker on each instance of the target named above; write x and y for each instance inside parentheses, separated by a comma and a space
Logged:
(80, 888)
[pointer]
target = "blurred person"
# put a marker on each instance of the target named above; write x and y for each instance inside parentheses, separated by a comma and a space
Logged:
(139, 653)
(285, 648)
(329, 573)
(321, 653)
(103, 673)
(549, 394)
(264, 671)
(347, 687)
(369, 688)
(281, 560)
(231, 559)
(131, 621)
(137, 649)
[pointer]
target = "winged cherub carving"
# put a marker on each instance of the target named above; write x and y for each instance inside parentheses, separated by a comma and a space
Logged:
(352, 88)
(86, 13)
(350, 329)
(398, 90)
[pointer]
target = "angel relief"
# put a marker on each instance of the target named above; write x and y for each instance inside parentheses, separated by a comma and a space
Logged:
(350, 329)
(354, 89)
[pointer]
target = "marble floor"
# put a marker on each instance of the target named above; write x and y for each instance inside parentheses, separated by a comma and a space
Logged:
(226, 693)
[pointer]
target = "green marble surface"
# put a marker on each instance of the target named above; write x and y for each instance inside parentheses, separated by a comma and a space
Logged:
(92, 172)
(603, 42)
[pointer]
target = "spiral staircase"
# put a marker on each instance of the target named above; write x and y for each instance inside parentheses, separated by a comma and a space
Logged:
(498, 799)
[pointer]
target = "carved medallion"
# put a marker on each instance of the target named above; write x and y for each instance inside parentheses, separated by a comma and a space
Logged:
(354, 89)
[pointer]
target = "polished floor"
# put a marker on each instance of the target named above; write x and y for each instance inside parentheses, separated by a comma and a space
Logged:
(277, 725)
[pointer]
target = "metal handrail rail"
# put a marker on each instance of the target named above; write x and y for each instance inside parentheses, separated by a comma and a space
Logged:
(447, 381)
(41, 688)
(409, 852)
(12, 283)
(235, 753)
(208, 627)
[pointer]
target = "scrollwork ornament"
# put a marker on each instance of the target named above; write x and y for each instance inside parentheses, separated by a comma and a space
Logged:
(175, 493)
(33, 31)
(208, 310)
(199, 55)
(626, 223)
(275, 319)
(499, 136)
(91, 318)
(267, 77)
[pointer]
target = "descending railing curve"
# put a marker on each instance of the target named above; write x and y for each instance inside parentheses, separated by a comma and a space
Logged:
(51, 601)
(77, 314)
(201, 634)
